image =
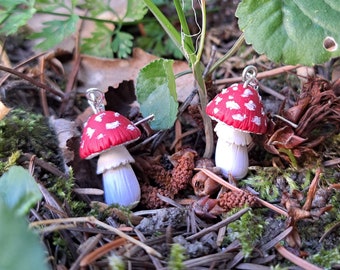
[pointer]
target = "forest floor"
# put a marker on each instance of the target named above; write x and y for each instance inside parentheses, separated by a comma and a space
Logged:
(284, 214)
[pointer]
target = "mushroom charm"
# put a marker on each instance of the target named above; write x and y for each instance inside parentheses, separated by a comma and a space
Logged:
(105, 134)
(238, 111)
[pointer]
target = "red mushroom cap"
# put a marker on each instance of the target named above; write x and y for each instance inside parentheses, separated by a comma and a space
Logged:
(239, 107)
(104, 130)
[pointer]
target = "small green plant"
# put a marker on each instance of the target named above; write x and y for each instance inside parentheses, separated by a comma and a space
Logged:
(11, 161)
(116, 262)
(326, 258)
(264, 183)
(239, 229)
(63, 188)
(177, 256)
(103, 41)
(157, 42)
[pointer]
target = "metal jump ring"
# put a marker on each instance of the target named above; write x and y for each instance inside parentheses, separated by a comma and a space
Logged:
(249, 77)
(95, 98)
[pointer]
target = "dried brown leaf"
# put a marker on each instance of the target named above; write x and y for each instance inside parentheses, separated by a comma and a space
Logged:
(285, 138)
(312, 190)
(103, 73)
(3, 110)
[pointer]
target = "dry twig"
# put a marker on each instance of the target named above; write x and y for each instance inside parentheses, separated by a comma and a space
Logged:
(95, 221)
(234, 188)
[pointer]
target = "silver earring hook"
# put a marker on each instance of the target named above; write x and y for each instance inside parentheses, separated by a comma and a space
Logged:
(249, 77)
(95, 98)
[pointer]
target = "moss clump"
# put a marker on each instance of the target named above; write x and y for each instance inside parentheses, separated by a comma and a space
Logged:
(177, 256)
(239, 229)
(29, 133)
(326, 258)
(63, 189)
(264, 182)
(11, 161)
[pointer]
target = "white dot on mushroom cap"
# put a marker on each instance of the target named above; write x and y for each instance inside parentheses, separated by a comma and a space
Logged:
(262, 111)
(247, 92)
(99, 117)
(112, 125)
(232, 105)
(218, 100)
(100, 136)
(251, 106)
(90, 131)
(131, 127)
(230, 97)
(239, 117)
(225, 90)
(216, 110)
(116, 114)
(234, 86)
(256, 120)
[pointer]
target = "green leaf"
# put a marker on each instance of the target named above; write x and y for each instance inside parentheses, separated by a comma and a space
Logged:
(99, 44)
(156, 93)
(291, 31)
(157, 42)
(18, 190)
(56, 31)
(136, 10)
(14, 14)
(21, 247)
(122, 44)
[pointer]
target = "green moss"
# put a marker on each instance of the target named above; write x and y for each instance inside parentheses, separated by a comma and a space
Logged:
(177, 256)
(116, 262)
(29, 133)
(264, 182)
(240, 229)
(11, 161)
(326, 258)
(63, 189)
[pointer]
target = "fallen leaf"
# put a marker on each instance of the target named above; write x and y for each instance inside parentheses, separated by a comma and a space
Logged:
(103, 73)
(285, 137)
(3, 110)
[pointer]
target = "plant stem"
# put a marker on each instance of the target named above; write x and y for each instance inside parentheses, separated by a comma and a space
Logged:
(80, 16)
(202, 36)
(232, 51)
(202, 92)
(188, 50)
(188, 45)
(165, 23)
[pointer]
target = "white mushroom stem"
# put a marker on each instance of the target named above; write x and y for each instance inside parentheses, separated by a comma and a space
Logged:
(232, 159)
(231, 154)
(119, 180)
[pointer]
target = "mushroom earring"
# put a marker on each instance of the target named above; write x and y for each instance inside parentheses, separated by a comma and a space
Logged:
(105, 134)
(238, 111)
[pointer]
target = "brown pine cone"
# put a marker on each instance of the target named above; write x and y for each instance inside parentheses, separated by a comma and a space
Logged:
(150, 199)
(236, 199)
(183, 171)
